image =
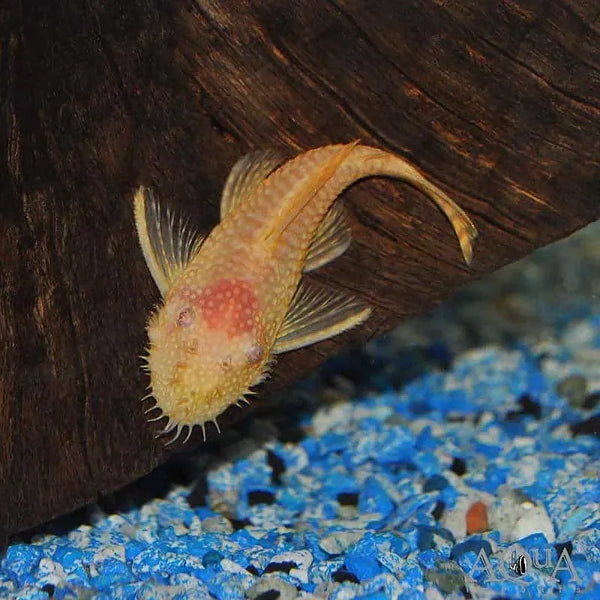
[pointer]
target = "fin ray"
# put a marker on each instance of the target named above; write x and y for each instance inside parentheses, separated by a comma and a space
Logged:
(245, 176)
(168, 244)
(316, 315)
(331, 240)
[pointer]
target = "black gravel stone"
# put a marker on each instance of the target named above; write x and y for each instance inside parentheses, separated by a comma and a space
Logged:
(260, 497)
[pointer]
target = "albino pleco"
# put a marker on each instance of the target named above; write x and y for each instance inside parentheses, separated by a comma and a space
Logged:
(233, 300)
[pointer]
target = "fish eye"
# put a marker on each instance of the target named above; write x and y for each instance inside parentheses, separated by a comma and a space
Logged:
(255, 354)
(226, 362)
(185, 317)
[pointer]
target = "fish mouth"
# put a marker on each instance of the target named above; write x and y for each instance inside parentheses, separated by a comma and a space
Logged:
(180, 421)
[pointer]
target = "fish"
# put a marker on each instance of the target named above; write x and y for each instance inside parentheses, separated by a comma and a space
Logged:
(235, 299)
(520, 565)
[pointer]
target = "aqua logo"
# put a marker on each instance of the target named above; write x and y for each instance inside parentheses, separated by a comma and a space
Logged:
(515, 564)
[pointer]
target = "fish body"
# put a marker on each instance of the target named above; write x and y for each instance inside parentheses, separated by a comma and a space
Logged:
(520, 565)
(235, 299)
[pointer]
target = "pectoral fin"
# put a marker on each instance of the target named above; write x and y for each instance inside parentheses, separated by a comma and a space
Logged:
(245, 176)
(331, 240)
(168, 244)
(316, 315)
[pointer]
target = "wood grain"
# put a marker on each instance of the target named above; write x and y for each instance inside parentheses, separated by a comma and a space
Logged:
(497, 102)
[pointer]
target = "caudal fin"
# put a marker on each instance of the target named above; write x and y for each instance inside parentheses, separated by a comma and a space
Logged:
(378, 162)
(465, 229)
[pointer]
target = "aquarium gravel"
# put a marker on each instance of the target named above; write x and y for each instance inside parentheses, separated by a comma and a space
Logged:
(364, 484)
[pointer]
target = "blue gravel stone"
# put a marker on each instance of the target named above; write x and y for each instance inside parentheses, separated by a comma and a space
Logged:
(171, 513)
(589, 594)
(360, 559)
(419, 407)
(425, 538)
(451, 401)
(333, 442)
(536, 382)
(157, 561)
(488, 450)
(535, 541)
(32, 593)
(112, 572)
(374, 596)
(412, 505)
(138, 590)
(337, 483)
(425, 440)
(426, 463)
(20, 560)
(374, 499)
(397, 543)
(495, 476)
(330, 509)
(427, 558)
(426, 533)
(69, 558)
(212, 558)
(387, 447)
(473, 545)
(435, 483)
(449, 495)
(133, 548)
(312, 447)
(241, 537)
(311, 540)
(513, 428)
(575, 521)
(229, 586)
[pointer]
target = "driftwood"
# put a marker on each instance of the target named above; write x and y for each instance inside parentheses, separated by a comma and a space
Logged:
(497, 102)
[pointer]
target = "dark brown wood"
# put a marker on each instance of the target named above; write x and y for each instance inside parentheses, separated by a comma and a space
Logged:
(498, 102)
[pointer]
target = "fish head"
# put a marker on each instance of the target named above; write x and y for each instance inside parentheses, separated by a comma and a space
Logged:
(207, 347)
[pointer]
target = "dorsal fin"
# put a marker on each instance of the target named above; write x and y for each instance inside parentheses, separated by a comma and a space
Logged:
(168, 244)
(331, 240)
(316, 315)
(300, 195)
(245, 176)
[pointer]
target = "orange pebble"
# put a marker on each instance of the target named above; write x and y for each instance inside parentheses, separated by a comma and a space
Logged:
(477, 518)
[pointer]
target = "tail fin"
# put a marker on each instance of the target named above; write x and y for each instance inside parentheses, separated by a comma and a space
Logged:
(465, 229)
(379, 162)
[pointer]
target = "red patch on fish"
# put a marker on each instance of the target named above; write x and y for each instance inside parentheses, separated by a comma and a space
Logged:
(230, 305)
